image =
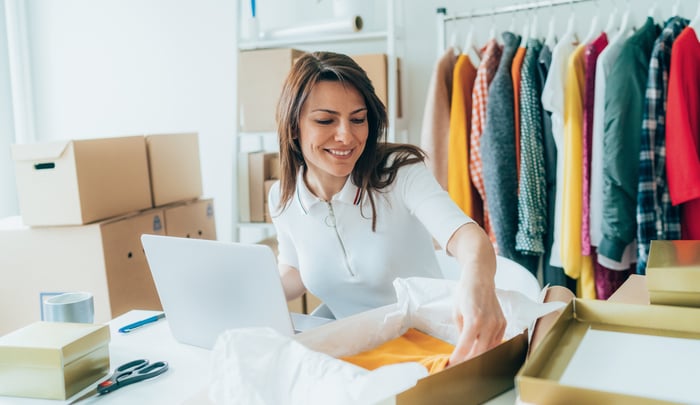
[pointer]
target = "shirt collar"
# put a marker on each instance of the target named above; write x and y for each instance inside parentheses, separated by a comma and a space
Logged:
(349, 194)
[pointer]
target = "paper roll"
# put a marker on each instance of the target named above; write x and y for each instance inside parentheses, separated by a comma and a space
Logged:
(336, 26)
(70, 307)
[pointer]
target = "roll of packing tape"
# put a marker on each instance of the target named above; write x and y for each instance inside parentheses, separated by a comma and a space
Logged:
(70, 307)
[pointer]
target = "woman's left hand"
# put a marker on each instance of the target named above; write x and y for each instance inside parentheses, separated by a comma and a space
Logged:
(479, 317)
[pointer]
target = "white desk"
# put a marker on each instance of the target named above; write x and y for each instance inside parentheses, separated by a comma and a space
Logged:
(187, 377)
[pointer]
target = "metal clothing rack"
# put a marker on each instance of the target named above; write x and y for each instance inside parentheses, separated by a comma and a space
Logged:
(444, 18)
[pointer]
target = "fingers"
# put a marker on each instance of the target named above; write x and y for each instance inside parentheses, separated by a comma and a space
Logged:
(478, 336)
(465, 345)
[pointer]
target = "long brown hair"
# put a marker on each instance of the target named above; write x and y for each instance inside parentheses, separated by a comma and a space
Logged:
(379, 162)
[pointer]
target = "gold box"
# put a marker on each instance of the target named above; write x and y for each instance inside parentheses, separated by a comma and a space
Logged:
(673, 272)
(53, 360)
(538, 380)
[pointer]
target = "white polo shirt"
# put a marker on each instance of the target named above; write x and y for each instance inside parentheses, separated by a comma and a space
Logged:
(349, 267)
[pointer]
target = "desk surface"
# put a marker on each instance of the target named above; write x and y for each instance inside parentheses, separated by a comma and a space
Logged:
(185, 381)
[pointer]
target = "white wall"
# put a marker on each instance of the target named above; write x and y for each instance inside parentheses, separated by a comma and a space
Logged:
(115, 67)
(121, 67)
(8, 194)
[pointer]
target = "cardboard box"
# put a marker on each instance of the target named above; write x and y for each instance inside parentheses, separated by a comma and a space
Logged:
(104, 258)
(377, 68)
(174, 167)
(266, 191)
(538, 379)
(258, 173)
(471, 382)
(673, 272)
(53, 360)
(261, 74)
(81, 181)
(191, 219)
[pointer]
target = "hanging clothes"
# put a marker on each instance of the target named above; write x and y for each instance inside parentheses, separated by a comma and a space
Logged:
(553, 101)
(498, 156)
(515, 69)
(435, 130)
(574, 263)
(623, 124)
(551, 275)
(657, 218)
(593, 50)
(532, 193)
(458, 182)
(683, 130)
(490, 59)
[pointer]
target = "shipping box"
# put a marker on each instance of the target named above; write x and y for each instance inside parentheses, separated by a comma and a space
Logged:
(377, 68)
(53, 360)
(673, 272)
(260, 169)
(104, 258)
(174, 167)
(191, 219)
(471, 382)
(261, 74)
(538, 381)
(81, 181)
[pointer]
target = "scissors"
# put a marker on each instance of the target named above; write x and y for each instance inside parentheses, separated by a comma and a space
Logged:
(128, 373)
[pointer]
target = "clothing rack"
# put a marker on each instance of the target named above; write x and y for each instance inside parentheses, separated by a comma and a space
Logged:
(443, 17)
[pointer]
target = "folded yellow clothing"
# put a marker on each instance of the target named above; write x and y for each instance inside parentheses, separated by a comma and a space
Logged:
(413, 345)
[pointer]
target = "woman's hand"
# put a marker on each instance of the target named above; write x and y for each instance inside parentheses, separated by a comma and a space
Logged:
(477, 311)
(478, 315)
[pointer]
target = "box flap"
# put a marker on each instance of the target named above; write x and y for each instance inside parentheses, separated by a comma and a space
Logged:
(39, 151)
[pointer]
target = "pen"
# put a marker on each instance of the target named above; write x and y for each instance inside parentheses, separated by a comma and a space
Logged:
(128, 328)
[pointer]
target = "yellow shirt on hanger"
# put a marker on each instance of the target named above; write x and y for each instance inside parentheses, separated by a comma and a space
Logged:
(575, 264)
(458, 181)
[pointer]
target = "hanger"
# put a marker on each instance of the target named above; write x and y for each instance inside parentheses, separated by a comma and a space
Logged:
(593, 31)
(676, 7)
(533, 26)
(654, 11)
(550, 40)
(469, 47)
(492, 30)
(453, 43)
(622, 32)
(695, 23)
(526, 33)
(612, 20)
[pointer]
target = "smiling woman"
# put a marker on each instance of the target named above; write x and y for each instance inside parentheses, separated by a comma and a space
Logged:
(353, 212)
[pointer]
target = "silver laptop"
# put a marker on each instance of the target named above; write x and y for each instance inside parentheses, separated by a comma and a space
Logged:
(207, 287)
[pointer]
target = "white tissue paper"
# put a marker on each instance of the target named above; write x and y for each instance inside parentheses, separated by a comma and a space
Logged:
(260, 366)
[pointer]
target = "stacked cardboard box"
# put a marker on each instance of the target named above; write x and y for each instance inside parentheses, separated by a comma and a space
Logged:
(263, 172)
(84, 205)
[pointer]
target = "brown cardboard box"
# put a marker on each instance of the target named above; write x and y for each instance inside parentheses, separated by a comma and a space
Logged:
(471, 382)
(174, 167)
(191, 219)
(673, 272)
(53, 360)
(261, 74)
(266, 210)
(312, 302)
(538, 379)
(376, 66)
(258, 173)
(81, 181)
(104, 258)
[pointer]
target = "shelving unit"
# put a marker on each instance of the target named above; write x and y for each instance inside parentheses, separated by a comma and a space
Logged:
(380, 40)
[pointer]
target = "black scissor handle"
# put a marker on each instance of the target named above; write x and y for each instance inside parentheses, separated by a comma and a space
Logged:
(132, 372)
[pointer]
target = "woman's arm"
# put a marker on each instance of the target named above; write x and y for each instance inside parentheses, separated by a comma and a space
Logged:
(477, 310)
(291, 282)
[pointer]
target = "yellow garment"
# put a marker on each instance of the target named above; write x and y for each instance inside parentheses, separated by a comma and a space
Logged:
(458, 181)
(413, 345)
(575, 264)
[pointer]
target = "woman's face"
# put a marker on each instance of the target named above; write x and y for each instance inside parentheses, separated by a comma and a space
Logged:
(333, 131)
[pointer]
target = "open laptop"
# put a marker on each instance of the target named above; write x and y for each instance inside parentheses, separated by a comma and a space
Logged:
(207, 287)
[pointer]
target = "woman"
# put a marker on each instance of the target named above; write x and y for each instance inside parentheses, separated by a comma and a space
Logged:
(353, 212)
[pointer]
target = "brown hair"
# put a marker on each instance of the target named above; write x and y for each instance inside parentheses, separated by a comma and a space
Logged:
(372, 172)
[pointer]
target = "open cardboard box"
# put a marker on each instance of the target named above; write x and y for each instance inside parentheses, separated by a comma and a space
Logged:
(471, 382)
(538, 380)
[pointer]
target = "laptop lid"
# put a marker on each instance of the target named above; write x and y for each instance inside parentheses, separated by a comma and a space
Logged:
(207, 287)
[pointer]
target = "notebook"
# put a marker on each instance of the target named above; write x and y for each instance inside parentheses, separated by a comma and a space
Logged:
(207, 287)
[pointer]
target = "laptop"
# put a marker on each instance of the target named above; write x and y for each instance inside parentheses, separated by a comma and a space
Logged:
(207, 287)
